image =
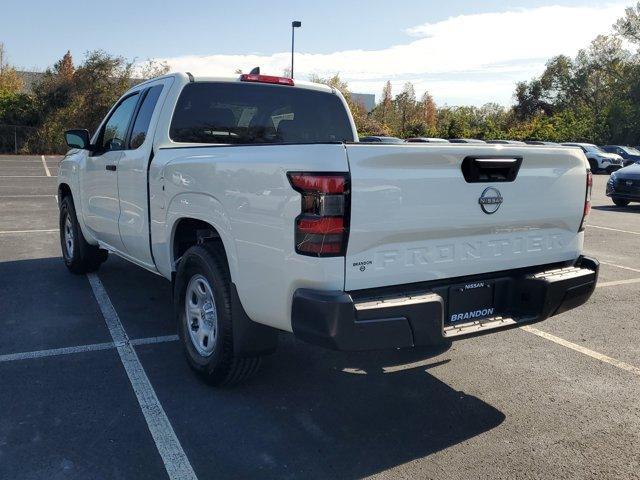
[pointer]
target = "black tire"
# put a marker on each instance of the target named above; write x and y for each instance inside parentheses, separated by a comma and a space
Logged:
(221, 366)
(620, 202)
(593, 165)
(79, 257)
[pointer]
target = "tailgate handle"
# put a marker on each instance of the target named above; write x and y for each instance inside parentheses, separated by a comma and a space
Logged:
(493, 168)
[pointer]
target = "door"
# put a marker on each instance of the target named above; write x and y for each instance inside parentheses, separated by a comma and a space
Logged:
(132, 174)
(101, 207)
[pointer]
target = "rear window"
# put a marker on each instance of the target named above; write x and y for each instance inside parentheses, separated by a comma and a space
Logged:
(241, 113)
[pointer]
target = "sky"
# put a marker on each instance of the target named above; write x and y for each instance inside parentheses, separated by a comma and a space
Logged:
(463, 52)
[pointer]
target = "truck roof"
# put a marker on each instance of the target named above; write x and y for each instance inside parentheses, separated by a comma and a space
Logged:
(186, 76)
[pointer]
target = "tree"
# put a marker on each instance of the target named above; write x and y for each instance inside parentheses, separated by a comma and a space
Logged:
(64, 67)
(10, 81)
(405, 103)
(81, 101)
(153, 68)
(629, 26)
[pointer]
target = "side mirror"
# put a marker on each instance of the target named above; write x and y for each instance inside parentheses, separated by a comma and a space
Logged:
(78, 138)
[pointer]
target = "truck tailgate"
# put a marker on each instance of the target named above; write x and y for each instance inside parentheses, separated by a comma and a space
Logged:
(414, 216)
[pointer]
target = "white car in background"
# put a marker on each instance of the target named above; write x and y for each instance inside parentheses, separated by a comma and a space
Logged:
(599, 160)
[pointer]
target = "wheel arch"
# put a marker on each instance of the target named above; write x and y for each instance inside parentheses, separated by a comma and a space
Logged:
(188, 231)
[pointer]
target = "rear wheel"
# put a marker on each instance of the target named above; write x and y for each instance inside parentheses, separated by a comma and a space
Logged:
(79, 256)
(620, 202)
(205, 324)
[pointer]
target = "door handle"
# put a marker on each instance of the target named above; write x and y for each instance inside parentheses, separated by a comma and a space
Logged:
(111, 168)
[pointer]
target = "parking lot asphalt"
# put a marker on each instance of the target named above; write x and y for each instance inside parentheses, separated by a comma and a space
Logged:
(555, 401)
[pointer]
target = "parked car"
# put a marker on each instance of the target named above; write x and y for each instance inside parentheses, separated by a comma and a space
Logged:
(466, 140)
(505, 142)
(541, 142)
(298, 228)
(380, 139)
(629, 154)
(623, 186)
(426, 140)
(598, 158)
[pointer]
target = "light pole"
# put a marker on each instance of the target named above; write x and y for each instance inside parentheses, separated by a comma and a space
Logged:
(295, 24)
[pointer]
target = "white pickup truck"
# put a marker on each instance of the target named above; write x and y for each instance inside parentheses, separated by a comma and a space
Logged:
(254, 198)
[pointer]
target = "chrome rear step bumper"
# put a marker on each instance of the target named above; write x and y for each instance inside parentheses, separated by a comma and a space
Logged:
(413, 315)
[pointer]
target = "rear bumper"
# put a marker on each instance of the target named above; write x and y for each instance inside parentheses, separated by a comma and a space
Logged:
(408, 316)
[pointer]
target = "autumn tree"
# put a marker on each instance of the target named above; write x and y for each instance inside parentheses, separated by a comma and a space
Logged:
(10, 81)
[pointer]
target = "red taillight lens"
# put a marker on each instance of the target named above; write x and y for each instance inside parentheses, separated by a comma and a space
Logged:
(587, 201)
(321, 228)
(252, 77)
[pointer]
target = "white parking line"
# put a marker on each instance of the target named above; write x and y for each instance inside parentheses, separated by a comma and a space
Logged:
(618, 282)
(152, 340)
(614, 229)
(25, 176)
(26, 196)
(175, 460)
(9, 232)
(585, 351)
(54, 352)
(46, 169)
(637, 270)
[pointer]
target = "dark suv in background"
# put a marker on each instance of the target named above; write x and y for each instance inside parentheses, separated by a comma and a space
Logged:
(629, 154)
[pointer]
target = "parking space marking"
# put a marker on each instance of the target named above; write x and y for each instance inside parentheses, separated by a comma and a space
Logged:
(175, 460)
(618, 282)
(24, 176)
(621, 266)
(26, 196)
(46, 169)
(10, 232)
(585, 351)
(614, 229)
(54, 352)
(152, 340)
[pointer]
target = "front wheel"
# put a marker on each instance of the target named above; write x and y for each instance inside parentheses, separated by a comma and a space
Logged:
(593, 165)
(79, 256)
(205, 324)
(620, 202)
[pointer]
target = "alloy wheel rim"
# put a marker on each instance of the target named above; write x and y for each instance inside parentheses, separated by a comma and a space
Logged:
(201, 316)
(69, 240)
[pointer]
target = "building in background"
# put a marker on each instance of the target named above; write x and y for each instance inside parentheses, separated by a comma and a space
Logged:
(367, 100)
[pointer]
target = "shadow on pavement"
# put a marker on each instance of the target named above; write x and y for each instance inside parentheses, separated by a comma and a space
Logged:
(632, 208)
(310, 412)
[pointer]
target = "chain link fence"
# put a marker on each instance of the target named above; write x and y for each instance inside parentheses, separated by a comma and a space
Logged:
(19, 139)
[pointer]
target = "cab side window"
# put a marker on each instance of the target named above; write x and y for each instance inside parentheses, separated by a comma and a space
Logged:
(114, 133)
(143, 119)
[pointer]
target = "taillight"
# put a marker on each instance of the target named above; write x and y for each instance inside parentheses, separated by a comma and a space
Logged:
(587, 201)
(322, 229)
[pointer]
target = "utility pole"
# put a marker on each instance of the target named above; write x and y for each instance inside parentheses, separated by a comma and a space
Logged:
(295, 24)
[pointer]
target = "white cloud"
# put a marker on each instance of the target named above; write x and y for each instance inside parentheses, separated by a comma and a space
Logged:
(472, 59)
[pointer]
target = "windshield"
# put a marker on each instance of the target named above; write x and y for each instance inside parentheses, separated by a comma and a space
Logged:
(631, 150)
(592, 148)
(241, 113)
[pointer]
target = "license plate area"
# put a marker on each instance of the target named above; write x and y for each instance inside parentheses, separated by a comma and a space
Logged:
(470, 301)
